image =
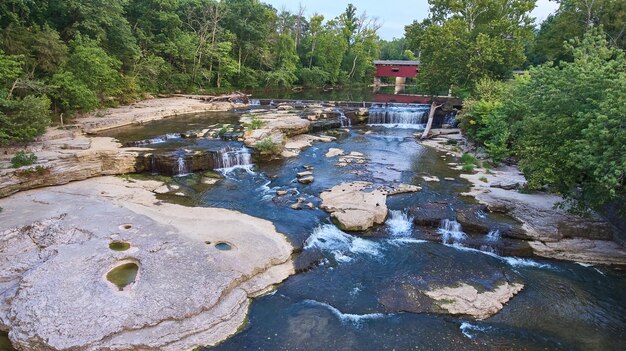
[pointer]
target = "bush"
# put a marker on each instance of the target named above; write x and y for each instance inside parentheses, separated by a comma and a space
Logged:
(23, 159)
(267, 147)
(572, 134)
(313, 77)
(70, 94)
(469, 162)
(484, 120)
(256, 123)
(21, 120)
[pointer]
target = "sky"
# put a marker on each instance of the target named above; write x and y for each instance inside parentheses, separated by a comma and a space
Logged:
(394, 14)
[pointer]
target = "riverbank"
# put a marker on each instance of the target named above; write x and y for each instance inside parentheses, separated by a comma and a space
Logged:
(72, 153)
(192, 285)
(550, 231)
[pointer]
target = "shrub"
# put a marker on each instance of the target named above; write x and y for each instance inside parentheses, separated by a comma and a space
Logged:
(23, 159)
(267, 147)
(313, 77)
(256, 123)
(21, 120)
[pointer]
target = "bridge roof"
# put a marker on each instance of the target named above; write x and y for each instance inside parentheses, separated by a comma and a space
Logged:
(396, 63)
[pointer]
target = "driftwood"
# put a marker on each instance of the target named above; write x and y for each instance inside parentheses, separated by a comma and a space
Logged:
(233, 97)
(442, 132)
(431, 117)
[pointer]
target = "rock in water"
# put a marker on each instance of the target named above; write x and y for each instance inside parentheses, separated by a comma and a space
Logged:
(306, 180)
(465, 299)
(355, 206)
(174, 288)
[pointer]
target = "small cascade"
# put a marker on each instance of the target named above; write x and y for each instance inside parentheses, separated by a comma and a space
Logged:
(342, 246)
(408, 116)
(450, 119)
(254, 102)
(181, 167)
(451, 232)
(344, 120)
(153, 165)
(493, 236)
(399, 223)
(230, 158)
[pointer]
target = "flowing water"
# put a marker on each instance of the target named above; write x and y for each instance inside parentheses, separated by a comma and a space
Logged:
(399, 116)
(230, 158)
(361, 292)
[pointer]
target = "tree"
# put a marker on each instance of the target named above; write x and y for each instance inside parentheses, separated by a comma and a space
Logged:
(571, 20)
(572, 135)
(464, 41)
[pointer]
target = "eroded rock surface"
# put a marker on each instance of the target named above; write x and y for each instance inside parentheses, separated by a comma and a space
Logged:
(58, 164)
(467, 300)
(355, 206)
(54, 249)
(360, 205)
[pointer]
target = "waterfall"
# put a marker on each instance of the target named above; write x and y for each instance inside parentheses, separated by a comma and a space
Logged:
(343, 119)
(407, 116)
(230, 158)
(153, 165)
(399, 223)
(450, 119)
(255, 102)
(451, 232)
(181, 167)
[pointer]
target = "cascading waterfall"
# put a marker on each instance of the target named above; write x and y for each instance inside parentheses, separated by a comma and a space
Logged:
(399, 223)
(254, 102)
(344, 120)
(230, 158)
(408, 116)
(451, 232)
(181, 167)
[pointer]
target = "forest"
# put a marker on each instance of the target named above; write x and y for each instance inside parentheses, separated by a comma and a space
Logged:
(563, 118)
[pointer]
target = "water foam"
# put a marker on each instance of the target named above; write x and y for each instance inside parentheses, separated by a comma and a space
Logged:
(231, 158)
(399, 223)
(467, 328)
(347, 318)
(330, 239)
(450, 231)
(511, 261)
(493, 236)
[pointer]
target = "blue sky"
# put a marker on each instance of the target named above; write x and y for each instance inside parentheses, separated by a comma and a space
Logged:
(393, 14)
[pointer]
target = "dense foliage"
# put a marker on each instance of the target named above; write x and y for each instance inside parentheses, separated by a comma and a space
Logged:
(565, 123)
(67, 56)
(463, 41)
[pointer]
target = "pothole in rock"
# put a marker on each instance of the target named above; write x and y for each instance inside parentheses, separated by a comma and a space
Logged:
(119, 245)
(126, 226)
(223, 246)
(123, 275)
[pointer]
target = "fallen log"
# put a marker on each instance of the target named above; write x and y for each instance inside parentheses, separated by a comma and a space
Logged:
(431, 117)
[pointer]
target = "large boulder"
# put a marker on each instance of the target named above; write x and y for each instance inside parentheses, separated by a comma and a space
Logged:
(102, 265)
(355, 206)
(465, 299)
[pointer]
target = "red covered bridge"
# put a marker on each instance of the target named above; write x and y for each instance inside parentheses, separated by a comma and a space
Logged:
(396, 68)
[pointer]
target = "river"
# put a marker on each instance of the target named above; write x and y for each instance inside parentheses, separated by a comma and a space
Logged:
(358, 291)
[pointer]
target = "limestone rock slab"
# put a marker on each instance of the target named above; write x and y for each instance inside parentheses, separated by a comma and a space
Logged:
(54, 250)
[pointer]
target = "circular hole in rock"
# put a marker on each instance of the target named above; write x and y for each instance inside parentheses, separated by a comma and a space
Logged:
(123, 275)
(223, 246)
(119, 245)
(207, 242)
(126, 226)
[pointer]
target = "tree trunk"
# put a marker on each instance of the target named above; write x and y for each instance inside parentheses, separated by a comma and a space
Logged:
(431, 117)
